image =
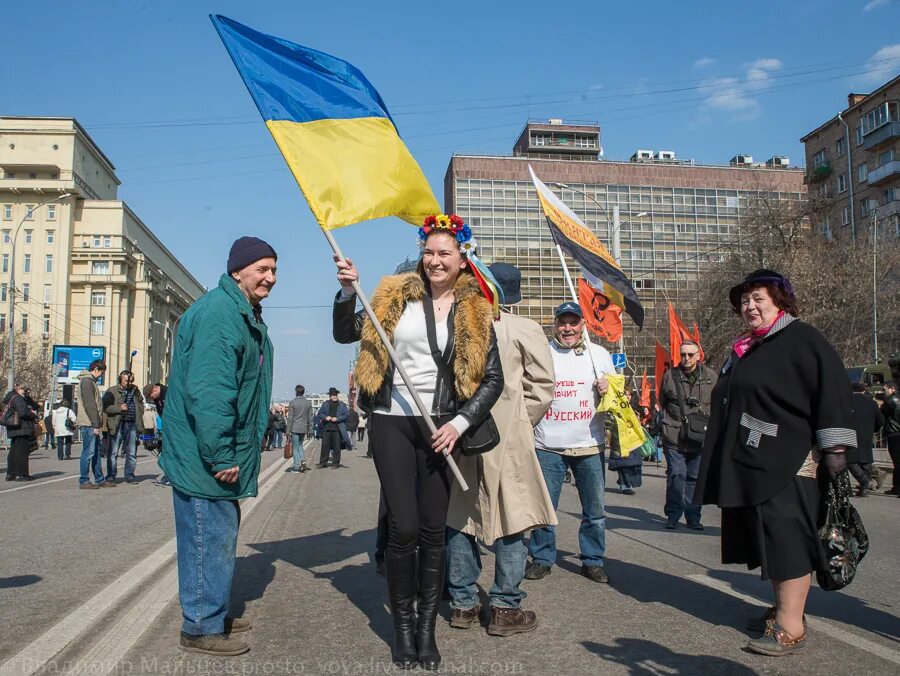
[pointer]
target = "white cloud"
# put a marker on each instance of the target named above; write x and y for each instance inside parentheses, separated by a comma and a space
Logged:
(704, 62)
(883, 66)
(875, 4)
(734, 95)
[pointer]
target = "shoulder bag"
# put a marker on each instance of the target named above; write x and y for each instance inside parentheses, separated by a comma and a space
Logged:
(10, 416)
(693, 425)
(478, 438)
(842, 535)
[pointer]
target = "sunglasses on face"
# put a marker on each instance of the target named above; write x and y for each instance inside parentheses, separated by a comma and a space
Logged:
(688, 355)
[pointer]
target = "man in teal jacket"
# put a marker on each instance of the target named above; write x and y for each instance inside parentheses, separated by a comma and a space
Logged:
(216, 412)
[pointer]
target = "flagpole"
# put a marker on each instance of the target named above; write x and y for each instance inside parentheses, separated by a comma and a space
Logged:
(423, 410)
(587, 336)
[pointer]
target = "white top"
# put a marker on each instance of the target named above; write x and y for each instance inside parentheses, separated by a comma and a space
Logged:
(572, 421)
(59, 421)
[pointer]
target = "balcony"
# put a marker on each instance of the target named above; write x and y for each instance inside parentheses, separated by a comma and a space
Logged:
(884, 172)
(819, 173)
(884, 133)
(885, 211)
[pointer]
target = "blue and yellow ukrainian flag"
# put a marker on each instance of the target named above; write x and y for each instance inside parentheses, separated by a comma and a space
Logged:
(333, 129)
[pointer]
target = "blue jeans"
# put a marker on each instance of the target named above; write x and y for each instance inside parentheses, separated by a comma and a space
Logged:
(206, 534)
(297, 445)
(127, 435)
(278, 438)
(90, 456)
(589, 472)
(464, 567)
(681, 479)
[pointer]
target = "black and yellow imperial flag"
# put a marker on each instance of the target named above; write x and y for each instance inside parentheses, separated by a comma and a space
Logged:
(574, 237)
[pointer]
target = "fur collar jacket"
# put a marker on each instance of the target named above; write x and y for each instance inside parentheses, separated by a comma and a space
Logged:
(471, 346)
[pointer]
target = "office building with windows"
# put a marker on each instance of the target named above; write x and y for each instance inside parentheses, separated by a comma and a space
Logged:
(677, 217)
(854, 160)
(88, 271)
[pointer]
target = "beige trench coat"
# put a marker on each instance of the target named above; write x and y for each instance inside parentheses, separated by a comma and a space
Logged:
(507, 492)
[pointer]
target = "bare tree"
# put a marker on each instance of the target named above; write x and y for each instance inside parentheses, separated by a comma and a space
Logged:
(33, 366)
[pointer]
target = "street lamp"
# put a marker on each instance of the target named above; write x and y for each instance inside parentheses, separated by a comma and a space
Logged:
(10, 378)
(616, 230)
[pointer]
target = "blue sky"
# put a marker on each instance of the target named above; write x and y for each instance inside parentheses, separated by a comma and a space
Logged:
(155, 88)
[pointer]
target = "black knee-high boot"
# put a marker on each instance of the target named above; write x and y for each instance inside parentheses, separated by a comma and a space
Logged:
(401, 579)
(432, 562)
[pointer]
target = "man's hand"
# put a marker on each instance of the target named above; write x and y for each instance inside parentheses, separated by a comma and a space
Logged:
(444, 439)
(123, 407)
(228, 476)
(601, 384)
(97, 432)
(835, 460)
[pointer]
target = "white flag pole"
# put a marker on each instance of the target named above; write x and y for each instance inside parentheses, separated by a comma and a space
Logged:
(587, 337)
(423, 410)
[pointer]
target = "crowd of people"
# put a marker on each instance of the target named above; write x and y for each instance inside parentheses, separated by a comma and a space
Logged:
(470, 380)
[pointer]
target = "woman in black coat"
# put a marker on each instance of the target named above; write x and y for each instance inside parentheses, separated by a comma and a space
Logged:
(780, 408)
(20, 436)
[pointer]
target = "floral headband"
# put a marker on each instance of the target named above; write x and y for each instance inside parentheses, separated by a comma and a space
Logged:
(453, 224)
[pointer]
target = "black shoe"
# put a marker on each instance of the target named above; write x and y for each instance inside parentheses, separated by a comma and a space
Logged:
(401, 579)
(671, 525)
(25, 477)
(321, 465)
(695, 526)
(132, 480)
(537, 571)
(10, 477)
(595, 574)
(627, 491)
(432, 563)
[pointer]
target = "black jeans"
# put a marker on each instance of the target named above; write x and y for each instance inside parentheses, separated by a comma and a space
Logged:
(17, 459)
(861, 471)
(414, 480)
(64, 447)
(331, 442)
(893, 443)
(360, 433)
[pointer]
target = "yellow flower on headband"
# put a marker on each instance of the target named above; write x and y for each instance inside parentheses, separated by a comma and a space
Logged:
(443, 221)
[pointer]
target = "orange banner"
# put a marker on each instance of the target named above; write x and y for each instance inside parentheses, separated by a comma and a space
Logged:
(602, 316)
(662, 365)
(678, 333)
(645, 389)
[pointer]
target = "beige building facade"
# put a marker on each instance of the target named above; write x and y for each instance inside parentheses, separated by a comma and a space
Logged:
(88, 271)
(853, 159)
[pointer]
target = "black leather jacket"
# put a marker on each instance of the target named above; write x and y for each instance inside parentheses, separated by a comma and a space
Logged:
(347, 328)
(891, 410)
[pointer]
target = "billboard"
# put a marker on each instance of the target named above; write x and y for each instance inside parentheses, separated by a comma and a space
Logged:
(73, 359)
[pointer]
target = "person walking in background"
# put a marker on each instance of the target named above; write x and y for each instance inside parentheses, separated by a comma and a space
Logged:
(867, 420)
(352, 425)
(572, 435)
(361, 431)
(279, 425)
(783, 390)
(890, 409)
(64, 423)
(333, 417)
(220, 386)
(21, 435)
(123, 404)
(90, 424)
(299, 425)
(507, 495)
(685, 392)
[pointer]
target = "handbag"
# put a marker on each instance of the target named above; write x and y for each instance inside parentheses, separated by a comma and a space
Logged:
(693, 425)
(842, 535)
(478, 438)
(10, 416)
(288, 449)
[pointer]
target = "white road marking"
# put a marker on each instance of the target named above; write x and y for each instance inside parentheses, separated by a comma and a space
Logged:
(36, 655)
(39, 482)
(820, 626)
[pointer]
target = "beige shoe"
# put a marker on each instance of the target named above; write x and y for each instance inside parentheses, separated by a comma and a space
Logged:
(236, 625)
(213, 644)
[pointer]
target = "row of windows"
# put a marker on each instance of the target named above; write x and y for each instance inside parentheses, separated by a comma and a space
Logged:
(8, 210)
(26, 263)
(45, 323)
(29, 236)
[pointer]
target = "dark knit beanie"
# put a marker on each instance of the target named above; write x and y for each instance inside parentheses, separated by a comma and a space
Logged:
(247, 250)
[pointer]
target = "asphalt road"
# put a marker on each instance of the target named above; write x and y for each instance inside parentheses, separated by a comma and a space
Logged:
(306, 581)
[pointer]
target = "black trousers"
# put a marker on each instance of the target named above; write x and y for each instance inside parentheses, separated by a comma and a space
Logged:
(331, 443)
(360, 433)
(381, 530)
(893, 443)
(17, 458)
(861, 471)
(414, 481)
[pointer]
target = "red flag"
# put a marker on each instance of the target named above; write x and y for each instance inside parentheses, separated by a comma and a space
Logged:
(662, 359)
(697, 340)
(645, 389)
(678, 333)
(602, 316)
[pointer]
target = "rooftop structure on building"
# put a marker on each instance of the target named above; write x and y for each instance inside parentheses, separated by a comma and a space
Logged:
(853, 159)
(677, 216)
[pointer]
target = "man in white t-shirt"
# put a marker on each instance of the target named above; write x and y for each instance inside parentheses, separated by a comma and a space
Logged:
(572, 436)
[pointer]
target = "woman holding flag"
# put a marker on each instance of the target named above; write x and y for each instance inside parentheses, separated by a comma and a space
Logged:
(439, 322)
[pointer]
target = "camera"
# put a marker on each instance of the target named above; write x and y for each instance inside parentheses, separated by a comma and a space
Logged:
(693, 402)
(152, 443)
